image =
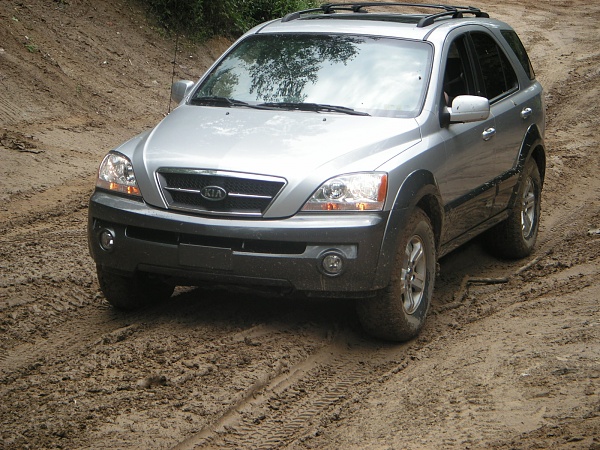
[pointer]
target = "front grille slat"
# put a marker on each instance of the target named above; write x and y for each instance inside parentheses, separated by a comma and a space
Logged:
(247, 194)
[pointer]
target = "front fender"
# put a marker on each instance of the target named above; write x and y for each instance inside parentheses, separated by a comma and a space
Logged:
(419, 189)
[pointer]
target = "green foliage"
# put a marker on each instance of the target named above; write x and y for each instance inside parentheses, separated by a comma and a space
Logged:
(31, 47)
(204, 18)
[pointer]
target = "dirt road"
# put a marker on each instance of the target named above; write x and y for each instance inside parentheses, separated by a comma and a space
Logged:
(508, 365)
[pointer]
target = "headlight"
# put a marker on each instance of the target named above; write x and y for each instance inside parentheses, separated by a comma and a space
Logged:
(116, 174)
(352, 192)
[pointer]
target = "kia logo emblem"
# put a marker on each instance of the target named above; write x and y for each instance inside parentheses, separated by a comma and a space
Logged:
(213, 193)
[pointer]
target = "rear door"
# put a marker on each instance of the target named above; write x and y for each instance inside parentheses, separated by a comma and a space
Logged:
(498, 81)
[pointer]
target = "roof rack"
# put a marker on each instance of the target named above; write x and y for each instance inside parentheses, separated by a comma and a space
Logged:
(455, 12)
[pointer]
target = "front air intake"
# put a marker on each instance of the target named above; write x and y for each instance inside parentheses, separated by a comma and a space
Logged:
(217, 192)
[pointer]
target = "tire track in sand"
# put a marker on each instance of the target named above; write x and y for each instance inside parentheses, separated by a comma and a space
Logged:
(290, 405)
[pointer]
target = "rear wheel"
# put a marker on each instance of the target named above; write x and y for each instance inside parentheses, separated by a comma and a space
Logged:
(131, 292)
(398, 312)
(516, 236)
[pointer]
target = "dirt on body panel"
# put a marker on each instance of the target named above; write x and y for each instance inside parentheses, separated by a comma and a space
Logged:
(509, 357)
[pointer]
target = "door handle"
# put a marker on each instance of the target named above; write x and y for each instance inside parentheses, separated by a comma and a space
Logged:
(526, 113)
(488, 134)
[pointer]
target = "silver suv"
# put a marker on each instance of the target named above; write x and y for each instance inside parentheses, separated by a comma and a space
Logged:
(337, 152)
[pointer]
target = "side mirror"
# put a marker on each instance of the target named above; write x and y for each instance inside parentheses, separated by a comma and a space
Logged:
(469, 108)
(181, 89)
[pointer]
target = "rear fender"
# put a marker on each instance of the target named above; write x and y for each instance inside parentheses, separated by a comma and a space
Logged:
(531, 148)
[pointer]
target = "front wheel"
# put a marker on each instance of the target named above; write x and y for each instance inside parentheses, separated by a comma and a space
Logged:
(131, 292)
(398, 312)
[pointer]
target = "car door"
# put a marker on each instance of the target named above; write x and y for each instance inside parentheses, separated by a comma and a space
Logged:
(510, 106)
(470, 147)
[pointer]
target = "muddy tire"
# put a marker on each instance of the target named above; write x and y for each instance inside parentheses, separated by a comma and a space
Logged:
(129, 293)
(398, 312)
(516, 236)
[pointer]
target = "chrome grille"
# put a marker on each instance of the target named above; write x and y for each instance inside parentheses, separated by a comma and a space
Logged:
(218, 192)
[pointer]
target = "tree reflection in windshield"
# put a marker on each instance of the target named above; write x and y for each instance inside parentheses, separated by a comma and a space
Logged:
(375, 75)
(282, 71)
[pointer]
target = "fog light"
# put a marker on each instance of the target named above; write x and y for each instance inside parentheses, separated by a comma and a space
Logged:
(332, 263)
(107, 240)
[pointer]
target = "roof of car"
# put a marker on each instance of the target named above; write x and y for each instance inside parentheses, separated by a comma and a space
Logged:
(357, 18)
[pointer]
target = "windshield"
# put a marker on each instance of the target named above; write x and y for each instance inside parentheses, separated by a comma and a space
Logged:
(377, 76)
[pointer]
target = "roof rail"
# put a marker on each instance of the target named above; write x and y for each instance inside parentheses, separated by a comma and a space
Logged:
(454, 12)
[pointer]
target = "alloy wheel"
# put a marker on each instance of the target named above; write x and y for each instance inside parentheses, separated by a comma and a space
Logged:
(414, 274)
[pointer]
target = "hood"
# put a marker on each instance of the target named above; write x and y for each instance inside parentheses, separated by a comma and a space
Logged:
(304, 148)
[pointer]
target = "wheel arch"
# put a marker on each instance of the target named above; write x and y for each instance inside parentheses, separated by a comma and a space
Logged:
(419, 189)
(533, 147)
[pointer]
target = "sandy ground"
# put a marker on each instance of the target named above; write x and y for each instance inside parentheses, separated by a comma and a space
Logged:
(514, 365)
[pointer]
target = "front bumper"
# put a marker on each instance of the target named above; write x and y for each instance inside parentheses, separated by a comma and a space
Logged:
(283, 253)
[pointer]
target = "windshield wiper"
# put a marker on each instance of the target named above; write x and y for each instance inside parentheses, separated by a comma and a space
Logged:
(317, 107)
(219, 101)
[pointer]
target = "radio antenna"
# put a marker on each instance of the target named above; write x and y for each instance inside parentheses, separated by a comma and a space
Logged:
(173, 72)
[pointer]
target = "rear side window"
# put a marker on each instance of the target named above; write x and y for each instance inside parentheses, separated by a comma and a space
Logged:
(499, 77)
(517, 46)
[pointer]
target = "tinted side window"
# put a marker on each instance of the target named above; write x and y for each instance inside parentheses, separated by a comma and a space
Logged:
(517, 46)
(458, 77)
(498, 75)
